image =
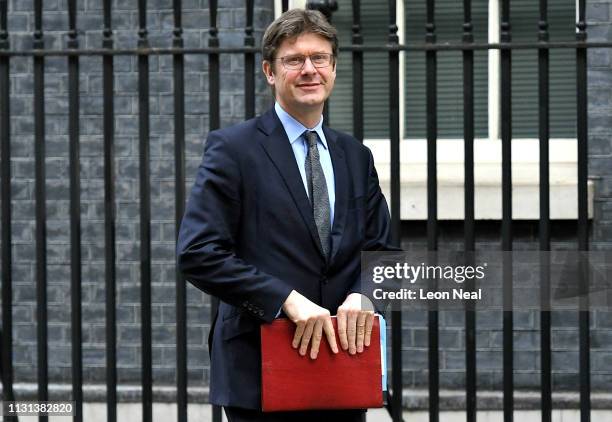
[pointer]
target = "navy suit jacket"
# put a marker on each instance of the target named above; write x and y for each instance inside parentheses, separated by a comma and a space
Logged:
(249, 238)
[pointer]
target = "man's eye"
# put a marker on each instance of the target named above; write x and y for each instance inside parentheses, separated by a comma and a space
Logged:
(294, 60)
(318, 58)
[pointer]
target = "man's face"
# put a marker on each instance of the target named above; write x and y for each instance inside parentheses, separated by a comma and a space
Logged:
(304, 89)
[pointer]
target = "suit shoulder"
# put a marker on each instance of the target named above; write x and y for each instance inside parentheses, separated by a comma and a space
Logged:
(350, 144)
(237, 135)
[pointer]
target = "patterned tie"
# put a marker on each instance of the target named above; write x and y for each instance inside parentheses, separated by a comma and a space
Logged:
(317, 188)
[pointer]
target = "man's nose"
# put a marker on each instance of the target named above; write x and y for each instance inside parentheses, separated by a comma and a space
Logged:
(308, 66)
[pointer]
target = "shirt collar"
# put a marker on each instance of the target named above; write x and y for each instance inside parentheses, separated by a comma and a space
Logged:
(295, 129)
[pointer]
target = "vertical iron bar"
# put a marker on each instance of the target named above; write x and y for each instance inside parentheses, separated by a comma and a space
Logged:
(145, 215)
(5, 209)
(285, 5)
(469, 226)
(213, 87)
(432, 209)
(544, 224)
(396, 316)
(179, 175)
(213, 68)
(41, 217)
(326, 118)
(109, 218)
(357, 57)
(583, 234)
(506, 134)
(75, 214)
(249, 63)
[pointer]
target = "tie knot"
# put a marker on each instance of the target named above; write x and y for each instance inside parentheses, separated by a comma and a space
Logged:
(311, 137)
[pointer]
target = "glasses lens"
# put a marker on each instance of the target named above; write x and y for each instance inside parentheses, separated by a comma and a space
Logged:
(297, 62)
(294, 62)
(320, 60)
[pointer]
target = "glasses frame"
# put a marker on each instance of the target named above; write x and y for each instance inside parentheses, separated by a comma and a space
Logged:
(309, 56)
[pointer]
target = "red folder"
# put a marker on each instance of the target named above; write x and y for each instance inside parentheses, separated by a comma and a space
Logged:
(332, 381)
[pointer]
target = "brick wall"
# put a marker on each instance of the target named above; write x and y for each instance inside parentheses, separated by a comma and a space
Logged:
(231, 21)
(599, 19)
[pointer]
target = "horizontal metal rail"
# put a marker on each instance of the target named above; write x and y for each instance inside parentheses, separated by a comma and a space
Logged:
(247, 49)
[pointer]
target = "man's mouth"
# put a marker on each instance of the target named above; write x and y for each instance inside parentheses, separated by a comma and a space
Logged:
(309, 85)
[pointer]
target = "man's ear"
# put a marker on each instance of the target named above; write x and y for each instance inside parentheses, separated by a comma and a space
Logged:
(266, 66)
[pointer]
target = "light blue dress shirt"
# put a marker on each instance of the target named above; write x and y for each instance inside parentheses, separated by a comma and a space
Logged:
(294, 131)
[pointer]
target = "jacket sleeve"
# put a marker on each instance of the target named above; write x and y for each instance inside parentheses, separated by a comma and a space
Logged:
(206, 247)
(377, 233)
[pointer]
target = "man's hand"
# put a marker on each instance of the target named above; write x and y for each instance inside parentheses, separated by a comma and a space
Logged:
(355, 319)
(311, 321)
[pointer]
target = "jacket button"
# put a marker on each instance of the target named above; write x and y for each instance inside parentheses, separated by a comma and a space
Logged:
(324, 280)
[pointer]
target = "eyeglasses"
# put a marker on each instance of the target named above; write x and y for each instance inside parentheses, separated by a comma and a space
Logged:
(297, 61)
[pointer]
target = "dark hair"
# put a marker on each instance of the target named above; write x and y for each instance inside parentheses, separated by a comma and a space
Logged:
(293, 23)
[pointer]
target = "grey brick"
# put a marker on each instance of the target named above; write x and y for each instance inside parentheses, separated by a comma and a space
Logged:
(196, 104)
(59, 355)
(24, 334)
(565, 361)
(527, 380)
(597, 12)
(19, 22)
(93, 5)
(23, 313)
(454, 360)
(90, 21)
(414, 359)
(164, 334)
(526, 340)
(59, 312)
(161, 84)
(599, 33)
(452, 380)
(127, 125)
(564, 319)
(527, 361)
(599, 58)
(55, 21)
(564, 340)
(128, 334)
(129, 294)
(604, 186)
(93, 356)
(195, 296)
(600, 382)
(23, 354)
(126, 314)
(163, 124)
(602, 361)
(94, 312)
(126, 83)
(23, 232)
(163, 294)
(488, 360)
(57, 334)
(600, 145)
(599, 78)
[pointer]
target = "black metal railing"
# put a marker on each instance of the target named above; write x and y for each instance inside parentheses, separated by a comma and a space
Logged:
(73, 52)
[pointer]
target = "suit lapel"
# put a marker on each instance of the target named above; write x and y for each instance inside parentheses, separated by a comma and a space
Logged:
(277, 147)
(341, 180)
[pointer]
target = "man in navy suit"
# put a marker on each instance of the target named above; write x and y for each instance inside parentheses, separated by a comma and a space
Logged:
(281, 209)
